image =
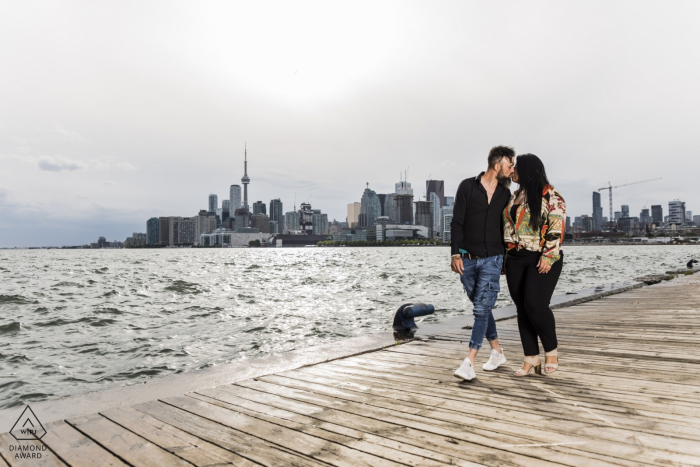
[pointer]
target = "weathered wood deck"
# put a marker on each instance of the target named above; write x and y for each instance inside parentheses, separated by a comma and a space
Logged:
(627, 394)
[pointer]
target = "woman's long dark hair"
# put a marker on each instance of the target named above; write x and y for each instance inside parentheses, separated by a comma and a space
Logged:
(532, 178)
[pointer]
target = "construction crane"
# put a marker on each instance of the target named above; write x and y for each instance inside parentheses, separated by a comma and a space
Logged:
(610, 187)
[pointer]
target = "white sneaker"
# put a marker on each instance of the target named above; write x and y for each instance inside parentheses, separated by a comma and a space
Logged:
(466, 370)
(495, 360)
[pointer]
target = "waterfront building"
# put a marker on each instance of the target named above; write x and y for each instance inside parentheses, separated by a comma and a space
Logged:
(587, 223)
(403, 188)
(696, 220)
(354, 210)
(370, 206)
(152, 231)
(436, 209)
(689, 216)
(320, 224)
(578, 222)
(597, 212)
(225, 209)
(568, 223)
(628, 224)
(259, 208)
(388, 209)
(618, 214)
(644, 218)
(182, 231)
(350, 235)
(625, 210)
(676, 212)
(213, 203)
(219, 216)
(403, 209)
(226, 238)
(242, 216)
(273, 227)
(657, 213)
(449, 201)
(382, 203)
(447, 227)
(136, 240)
(205, 223)
(245, 180)
(424, 215)
(334, 228)
(404, 231)
(291, 221)
(164, 230)
(306, 219)
(260, 221)
(235, 198)
(437, 187)
(277, 215)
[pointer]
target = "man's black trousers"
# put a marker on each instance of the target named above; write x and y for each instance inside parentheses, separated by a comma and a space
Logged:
(531, 293)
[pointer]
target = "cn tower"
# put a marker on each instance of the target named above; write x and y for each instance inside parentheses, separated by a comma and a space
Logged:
(245, 180)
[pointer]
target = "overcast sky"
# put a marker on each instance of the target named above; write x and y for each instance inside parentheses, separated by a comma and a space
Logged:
(115, 112)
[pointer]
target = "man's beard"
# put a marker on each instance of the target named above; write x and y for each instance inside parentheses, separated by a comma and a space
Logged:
(503, 180)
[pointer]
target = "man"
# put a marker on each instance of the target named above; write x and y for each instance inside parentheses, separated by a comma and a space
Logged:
(477, 250)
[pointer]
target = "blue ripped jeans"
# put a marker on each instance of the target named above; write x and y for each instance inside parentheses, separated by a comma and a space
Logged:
(481, 280)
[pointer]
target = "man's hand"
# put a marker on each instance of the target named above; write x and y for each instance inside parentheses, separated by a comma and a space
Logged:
(543, 266)
(457, 265)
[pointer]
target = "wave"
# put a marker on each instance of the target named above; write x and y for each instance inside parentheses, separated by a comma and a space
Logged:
(183, 287)
(18, 299)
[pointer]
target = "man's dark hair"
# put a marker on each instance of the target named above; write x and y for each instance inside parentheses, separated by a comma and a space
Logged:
(499, 152)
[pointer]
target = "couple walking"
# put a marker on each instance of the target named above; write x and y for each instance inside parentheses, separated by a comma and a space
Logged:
(494, 231)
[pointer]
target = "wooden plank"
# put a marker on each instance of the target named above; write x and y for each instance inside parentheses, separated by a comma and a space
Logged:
(241, 443)
(12, 455)
(75, 448)
(347, 436)
(129, 447)
(167, 437)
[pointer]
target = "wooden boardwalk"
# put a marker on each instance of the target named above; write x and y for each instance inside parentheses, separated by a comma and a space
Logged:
(628, 393)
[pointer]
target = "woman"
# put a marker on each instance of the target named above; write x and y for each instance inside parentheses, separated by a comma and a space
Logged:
(534, 222)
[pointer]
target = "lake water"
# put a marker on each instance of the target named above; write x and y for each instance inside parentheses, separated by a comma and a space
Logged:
(73, 321)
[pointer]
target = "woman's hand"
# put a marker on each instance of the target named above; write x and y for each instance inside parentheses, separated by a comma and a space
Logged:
(543, 266)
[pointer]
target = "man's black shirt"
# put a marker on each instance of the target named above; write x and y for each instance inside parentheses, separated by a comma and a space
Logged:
(477, 225)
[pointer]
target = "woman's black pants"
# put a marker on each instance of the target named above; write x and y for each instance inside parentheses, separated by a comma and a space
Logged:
(531, 293)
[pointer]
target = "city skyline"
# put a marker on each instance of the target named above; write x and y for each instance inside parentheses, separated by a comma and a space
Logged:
(99, 132)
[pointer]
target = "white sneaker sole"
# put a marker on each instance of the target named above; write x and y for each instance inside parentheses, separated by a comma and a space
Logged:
(494, 368)
(459, 375)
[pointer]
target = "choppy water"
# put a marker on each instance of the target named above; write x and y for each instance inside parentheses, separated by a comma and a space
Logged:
(81, 320)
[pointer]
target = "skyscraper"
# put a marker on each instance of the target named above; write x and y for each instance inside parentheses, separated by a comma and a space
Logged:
(213, 203)
(403, 188)
(597, 212)
(676, 212)
(370, 206)
(436, 209)
(306, 218)
(277, 215)
(235, 198)
(657, 213)
(291, 221)
(152, 230)
(259, 208)
(625, 210)
(437, 187)
(403, 209)
(388, 210)
(424, 215)
(225, 209)
(353, 214)
(245, 180)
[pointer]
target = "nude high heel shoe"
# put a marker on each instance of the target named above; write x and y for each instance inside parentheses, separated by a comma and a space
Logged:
(536, 365)
(555, 366)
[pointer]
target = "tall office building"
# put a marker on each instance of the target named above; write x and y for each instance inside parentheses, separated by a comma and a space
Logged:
(245, 180)
(696, 221)
(625, 210)
(225, 209)
(437, 187)
(213, 203)
(242, 218)
(568, 224)
(277, 215)
(291, 221)
(689, 216)
(354, 210)
(370, 206)
(320, 223)
(424, 215)
(657, 213)
(382, 203)
(447, 227)
(235, 198)
(676, 212)
(449, 200)
(597, 212)
(152, 230)
(645, 218)
(403, 209)
(436, 210)
(259, 208)
(164, 230)
(388, 210)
